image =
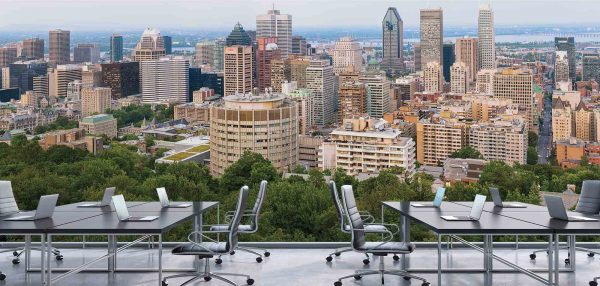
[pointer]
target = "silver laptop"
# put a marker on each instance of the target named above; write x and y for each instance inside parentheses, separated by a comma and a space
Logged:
(164, 200)
(556, 209)
(437, 201)
(123, 212)
(108, 193)
(45, 209)
(498, 200)
(475, 214)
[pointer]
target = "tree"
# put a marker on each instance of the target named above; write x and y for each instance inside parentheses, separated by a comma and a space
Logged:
(59, 154)
(18, 141)
(532, 156)
(532, 139)
(129, 136)
(467, 152)
(241, 172)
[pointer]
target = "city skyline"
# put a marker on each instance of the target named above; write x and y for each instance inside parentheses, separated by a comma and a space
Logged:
(187, 14)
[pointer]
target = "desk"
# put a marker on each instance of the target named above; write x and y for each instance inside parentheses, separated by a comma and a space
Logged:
(490, 224)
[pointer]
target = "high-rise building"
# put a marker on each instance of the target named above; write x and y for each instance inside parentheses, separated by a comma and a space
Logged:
(449, 58)
(266, 124)
(561, 67)
(100, 125)
(406, 87)
(59, 47)
(116, 48)
(583, 119)
(305, 105)
(267, 51)
(33, 49)
(86, 53)
(60, 77)
(486, 43)
(91, 76)
(433, 80)
(502, 140)
(591, 67)
(150, 47)
(280, 74)
(205, 55)
(516, 84)
(238, 69)
(275, 24)
(459, 78)
(466, 52)
(352, 98)
(417, 56)
(7, 56)
(432, 36)
(40, 86)
(562, 120)
(122, 78)
(320, 81)
(74, 90)
(168, 42)
(437, 139)
(20, 74)
(393, 42)
(219, 55)
(95, 100)
(567, 44)
(165, 80)
(485, 81)
(299, 46)
(238, 37)
(298, 68)
(378, 98)
(347, 56)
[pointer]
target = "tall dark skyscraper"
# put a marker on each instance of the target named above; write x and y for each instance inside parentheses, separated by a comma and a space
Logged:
(60, 47)
(567, 44)
(168, 42)
(449, 58)
(33, 49)
(393, 41)
(238, 36)
(122, 78)
(116, 48)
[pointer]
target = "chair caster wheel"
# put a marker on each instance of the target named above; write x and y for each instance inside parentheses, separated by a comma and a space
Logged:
(164, 283)
(366, 261)
(567, 261)
(593, 283)
(396, 257)
(329, 258)
(357, 277)
(15, 253)
(250, 281)
(532, 256)
(425, 284)
(406, 278)
(58, 257)
(16, 261)
(259, 259)
(218, 261)
(337, 254)
(267, 254)
(2, 276)
(207, 278)
(337, 283)
(232, 253)
(591, 254)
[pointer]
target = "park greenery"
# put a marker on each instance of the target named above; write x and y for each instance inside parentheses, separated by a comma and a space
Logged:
(61, 123)
(296, 209)
(135, 114)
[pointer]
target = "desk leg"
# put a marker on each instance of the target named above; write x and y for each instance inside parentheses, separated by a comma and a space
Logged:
(488, 252)
(439, 253)
(160, 267)
(28, 252)
(405, 226)
(43, 258)
(556, 260)
(550, 260)
(111, 253)
(48, 258)
(572, 252)
(198, 220)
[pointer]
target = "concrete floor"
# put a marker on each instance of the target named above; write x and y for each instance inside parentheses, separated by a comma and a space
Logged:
(299, 267)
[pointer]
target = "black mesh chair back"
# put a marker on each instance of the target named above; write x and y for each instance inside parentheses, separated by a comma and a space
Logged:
(589, 200)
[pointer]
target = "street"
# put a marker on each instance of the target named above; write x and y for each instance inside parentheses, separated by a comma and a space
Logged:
(545, 140)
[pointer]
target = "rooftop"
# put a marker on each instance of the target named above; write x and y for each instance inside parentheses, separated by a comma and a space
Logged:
(97, 118)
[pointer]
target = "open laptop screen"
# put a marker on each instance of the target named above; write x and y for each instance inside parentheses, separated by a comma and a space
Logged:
(439, 197)
(120, 207)
(477, 208)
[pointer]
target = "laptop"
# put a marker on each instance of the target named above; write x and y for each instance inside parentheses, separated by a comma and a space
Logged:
(437, 201)
(164, 200)
(123, 212)
(108, 193)
(45, 209)
(475, 214)
(498, 200)
(557, 210)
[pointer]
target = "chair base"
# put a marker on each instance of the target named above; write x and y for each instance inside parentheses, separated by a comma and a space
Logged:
(259, 257)
(17, 252)
(208, 275)
(381, 272)
(339, 251)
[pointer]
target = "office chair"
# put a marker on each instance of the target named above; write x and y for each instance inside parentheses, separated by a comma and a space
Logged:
(367, 218)
(588, 203)
(8, 206)
(207, 250)
(378, 248)
(246, 228)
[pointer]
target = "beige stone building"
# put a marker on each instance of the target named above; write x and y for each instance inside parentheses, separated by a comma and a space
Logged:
(98, 125)
(95, 100)
(60, 77)
(238, 69)
(280, 74)
(266, 124)
(305, 105)
(347, 56)
(433, 77)
(561, 120)
(459, 78)
(193, 112)
(485, 81)
(516, 84)
(503, 140)
(437, 138)
(150, 47)
(466, 52)
(583, 123)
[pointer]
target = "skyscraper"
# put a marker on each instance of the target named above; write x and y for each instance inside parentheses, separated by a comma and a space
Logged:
(347, 56)
(280, 73)
(238, 68)
(238, 36)
(275, 24)
(319, 80)
(393, 42)
(7, 56)
(432, 36)
(116, 48)
(95, 100)
(299, 46)
(466, 52)
(567, 44)
(378, 94)
(591, 67)
(459, 78)
(86, 53)
(33, 49)
(150, 47)
(165, 80)
(168, 42)
(205, 55)
(487, 44)
(60, 77)
(517, 85)
(59, 47)
(561, 67)
(449, 58)
(433, 80)
(218, 55)
(122, 78)
(267, 51)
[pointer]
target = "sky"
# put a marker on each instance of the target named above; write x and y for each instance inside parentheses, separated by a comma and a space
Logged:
(219, 14)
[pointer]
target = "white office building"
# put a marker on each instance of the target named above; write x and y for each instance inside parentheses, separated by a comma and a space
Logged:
(165, 80)
(487, 44)
(275, 24)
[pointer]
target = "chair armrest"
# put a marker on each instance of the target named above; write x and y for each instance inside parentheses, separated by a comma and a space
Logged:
(199, 245)
(229, 217)
(389, 225)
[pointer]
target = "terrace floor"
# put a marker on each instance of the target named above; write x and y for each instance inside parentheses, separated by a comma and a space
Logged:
(298, 267)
